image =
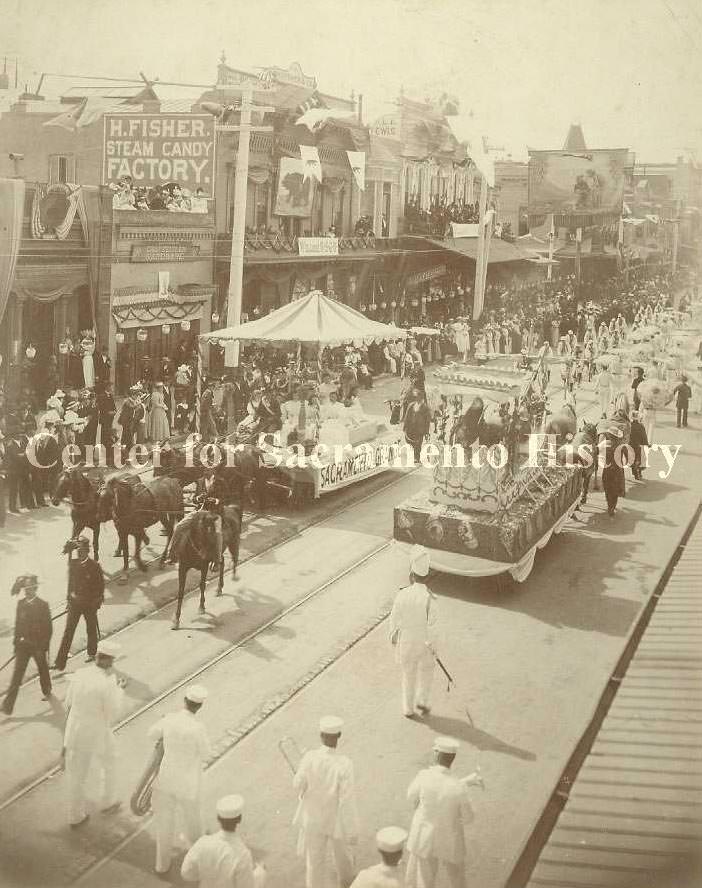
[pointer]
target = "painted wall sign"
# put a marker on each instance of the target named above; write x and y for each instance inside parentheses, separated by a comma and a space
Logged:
(155, 149)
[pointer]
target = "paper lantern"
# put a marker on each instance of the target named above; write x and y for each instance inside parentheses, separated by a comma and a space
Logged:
(415, 303)
(63, 348)
(362, 306)
(185, 325)
(166, 329)
(393, 304)
(30, 351)
(215, 317)
(383, 305)
(119, 337)
(142, 335)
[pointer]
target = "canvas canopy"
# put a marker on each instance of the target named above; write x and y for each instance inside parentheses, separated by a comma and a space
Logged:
(315, 318)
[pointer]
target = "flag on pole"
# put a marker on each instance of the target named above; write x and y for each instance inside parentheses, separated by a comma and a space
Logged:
(312, 165)
(357, 161)
(69, 119)
(84, 113)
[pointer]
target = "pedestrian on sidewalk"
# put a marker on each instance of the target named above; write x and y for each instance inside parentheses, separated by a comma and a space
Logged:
(326, 813)
(178, 786)
(95, 701)
(413, 633)
(442, 811)
(682, 393)
(390, 842)
(222, 860)
(613, 482)
(86, 591)
(32, 637)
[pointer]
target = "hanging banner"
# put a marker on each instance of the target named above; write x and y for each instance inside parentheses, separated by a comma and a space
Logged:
(155, 149)
(587, 182)
(312, 165)
(295, 192)
(357, 161)
(164, 283)
(465, 229)
(318, 246)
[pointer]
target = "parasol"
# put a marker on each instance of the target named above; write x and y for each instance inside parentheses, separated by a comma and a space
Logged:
(654, 394)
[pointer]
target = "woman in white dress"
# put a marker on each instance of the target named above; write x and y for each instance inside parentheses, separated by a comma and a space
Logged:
(157, 425)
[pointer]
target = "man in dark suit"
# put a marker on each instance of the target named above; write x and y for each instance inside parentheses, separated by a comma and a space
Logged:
(86, 590)
(32, 638)
(17, 467)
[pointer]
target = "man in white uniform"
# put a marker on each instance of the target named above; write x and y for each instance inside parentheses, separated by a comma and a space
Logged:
(413, 632)
(223, 860)
(326, 813)
(178, 786)
(390, 842)
(94, 701)
(442, 811)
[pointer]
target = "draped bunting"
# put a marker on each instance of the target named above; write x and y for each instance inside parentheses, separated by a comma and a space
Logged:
(40, 285)
(259, 175)
(44, 215)
(90, 214)
(11, 213)
(161, 312)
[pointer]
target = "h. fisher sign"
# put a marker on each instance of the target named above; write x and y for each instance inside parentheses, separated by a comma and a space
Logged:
(155, 149)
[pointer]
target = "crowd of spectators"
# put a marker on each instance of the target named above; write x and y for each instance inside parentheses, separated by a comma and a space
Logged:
(171, 197)
(437, 219)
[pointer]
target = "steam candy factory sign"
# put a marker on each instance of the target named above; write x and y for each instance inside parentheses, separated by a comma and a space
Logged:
(155, 149)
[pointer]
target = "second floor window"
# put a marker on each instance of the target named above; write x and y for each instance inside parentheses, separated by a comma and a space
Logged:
(62, 168)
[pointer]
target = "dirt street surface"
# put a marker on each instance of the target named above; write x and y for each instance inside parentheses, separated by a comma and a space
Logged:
(302, 632)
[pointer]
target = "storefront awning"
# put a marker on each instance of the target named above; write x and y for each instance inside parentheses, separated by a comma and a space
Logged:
(500, 250)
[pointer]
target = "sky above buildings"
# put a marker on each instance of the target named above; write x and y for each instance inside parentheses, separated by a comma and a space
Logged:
(630, 71)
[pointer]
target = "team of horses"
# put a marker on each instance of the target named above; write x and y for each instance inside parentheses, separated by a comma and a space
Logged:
(134, 505)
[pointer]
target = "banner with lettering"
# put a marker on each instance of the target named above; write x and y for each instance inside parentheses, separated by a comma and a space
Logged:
(311, 163)
(157, 149)
(357, 161)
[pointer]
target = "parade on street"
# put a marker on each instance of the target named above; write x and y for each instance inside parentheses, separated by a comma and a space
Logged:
(349, 448)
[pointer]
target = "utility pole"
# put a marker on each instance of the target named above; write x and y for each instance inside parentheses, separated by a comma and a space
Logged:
(551, 243)
(236, 264)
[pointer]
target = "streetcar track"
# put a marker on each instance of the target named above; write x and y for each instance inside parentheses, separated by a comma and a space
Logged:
(228, 570)
(38, 781)
(213, 661)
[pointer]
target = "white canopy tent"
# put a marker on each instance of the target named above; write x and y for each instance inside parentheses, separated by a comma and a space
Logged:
(315, 318)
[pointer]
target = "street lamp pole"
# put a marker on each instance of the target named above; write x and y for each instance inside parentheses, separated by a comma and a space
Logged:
(236, 263)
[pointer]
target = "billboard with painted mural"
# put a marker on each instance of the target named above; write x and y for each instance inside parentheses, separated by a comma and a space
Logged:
(295, 192)
(571, 183)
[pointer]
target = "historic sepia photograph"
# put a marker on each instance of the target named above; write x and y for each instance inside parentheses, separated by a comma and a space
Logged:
(350, 444)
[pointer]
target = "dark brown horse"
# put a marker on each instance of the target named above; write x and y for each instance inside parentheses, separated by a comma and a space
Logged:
(197, 546)
(77, 488)
(134, 506)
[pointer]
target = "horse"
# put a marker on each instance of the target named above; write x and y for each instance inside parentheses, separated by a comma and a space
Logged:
(562, 423)
(243, 475)
(73, 485)
(133, 506)
(198, 548)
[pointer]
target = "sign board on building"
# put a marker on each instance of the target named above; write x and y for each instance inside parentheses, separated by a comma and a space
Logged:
(227, 76)
(388, 125)
(422, 277)
(568, 183)
(318, 246)
(153, 251)
(155, 149)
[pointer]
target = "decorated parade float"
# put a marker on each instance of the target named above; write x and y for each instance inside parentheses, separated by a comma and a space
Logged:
(491, 515)
(323, 445)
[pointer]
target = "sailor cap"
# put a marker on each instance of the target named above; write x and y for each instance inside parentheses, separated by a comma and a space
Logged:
(446, 744)
(330, 724)
(196, 693)
(391, 838)
(230, 807)
(419, 561)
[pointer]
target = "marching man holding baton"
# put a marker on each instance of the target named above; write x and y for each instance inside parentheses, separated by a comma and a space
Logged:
(413, 633)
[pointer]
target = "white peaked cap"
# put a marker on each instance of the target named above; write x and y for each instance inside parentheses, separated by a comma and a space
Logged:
(419, 561)
(391, 838)
(109, 649)
(229, 807)
(196, 693)
(330, 724)
(446, 744)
